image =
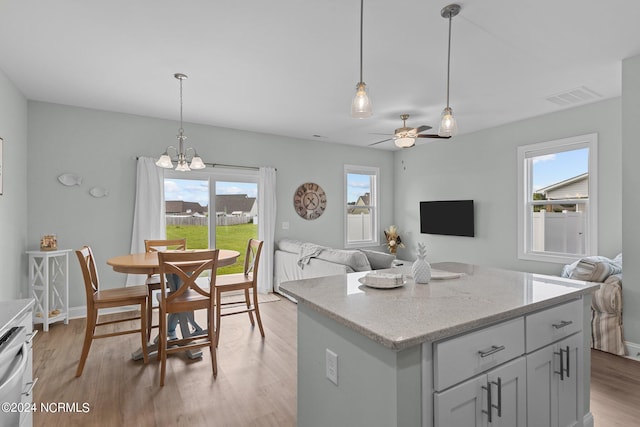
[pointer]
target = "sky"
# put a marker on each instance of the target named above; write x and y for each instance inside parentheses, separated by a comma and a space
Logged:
(190, 190)
(553, 168)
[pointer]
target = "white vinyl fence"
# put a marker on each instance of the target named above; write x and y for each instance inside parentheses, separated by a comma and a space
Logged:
(358, 227)
(559, 232)
(221, 220)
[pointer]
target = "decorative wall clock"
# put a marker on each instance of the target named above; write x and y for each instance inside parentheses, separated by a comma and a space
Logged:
(309, 200)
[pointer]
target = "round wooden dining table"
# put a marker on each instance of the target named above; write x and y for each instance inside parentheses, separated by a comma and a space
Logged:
(147, 262)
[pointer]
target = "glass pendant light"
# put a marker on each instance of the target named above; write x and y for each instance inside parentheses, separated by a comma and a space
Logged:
(361, 105)
(448, 125)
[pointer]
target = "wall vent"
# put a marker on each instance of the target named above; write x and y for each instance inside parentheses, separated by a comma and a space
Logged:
(579, 95)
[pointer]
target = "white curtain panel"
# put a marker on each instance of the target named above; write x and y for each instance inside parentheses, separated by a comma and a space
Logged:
(266, 227)
(149, 210)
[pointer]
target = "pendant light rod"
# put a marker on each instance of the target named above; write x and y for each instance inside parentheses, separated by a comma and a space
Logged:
(361, 25)
(180, 77)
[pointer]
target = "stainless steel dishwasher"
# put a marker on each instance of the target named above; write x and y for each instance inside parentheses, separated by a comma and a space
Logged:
(13, 362)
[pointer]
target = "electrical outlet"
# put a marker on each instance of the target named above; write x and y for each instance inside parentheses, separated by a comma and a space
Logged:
(332, 366)
(285, 225)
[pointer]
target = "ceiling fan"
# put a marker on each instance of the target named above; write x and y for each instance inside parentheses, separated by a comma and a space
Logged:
(405, 137)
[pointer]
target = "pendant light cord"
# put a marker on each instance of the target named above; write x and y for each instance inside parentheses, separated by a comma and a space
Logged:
(361, 24)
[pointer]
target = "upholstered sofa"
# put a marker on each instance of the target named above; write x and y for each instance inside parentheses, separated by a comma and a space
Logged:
(606, 304)
(295, 260)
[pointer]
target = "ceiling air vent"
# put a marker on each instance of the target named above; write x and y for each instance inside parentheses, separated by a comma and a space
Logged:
(579, 95)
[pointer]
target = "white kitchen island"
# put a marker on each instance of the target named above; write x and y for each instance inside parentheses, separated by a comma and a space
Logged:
(490, 348)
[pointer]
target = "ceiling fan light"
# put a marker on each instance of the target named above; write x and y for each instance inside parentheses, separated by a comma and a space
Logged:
(405, 142)
(197, 163)
(448, 126)
(361, 106)
(165, 161)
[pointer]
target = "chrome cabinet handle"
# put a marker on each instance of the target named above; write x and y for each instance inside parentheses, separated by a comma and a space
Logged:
(31, 385)
(563, 369)
(492, 350)
(499, 405)
(562, 324)
(31, 336)
(489, 405)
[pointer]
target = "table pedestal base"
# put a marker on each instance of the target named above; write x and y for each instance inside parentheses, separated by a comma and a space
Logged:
(184, 320)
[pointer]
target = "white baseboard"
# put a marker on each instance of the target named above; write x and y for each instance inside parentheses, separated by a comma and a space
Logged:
(633, 350)
(587, 420)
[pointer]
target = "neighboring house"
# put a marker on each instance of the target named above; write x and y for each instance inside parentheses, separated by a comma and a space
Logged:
(572, 188)
(179, 207)
(363, 200)
(236, 204)
(576, 187)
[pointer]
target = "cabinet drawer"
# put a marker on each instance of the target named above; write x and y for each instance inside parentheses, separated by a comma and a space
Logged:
(463, 357)
(553, 324)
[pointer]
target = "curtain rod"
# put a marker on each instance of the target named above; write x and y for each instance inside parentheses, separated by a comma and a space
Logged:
(213, 165)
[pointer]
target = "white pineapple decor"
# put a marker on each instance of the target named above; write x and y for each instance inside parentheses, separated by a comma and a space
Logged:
(421, 270)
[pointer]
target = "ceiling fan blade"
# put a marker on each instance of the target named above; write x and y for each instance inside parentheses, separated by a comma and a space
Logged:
(432, 135)
(422, 128)
(376, 133)
(380, 142)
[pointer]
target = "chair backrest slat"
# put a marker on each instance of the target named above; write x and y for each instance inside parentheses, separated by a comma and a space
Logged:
(89, 272)
(160, 245)
(252, 258)
(188, 266)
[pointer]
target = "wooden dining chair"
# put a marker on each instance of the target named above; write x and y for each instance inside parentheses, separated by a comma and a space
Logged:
(98, 298)
(188, 296)
(245, 281)
(153, 280)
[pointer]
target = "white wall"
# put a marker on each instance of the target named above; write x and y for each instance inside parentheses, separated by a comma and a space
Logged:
(13, 202)
(482, 166)
(631, 199)
(101, 146)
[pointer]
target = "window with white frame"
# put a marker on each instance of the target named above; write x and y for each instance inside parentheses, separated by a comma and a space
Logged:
(361, 205)
(557, 199)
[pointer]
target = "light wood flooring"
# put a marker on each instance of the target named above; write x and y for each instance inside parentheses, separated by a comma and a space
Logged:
(256, 383)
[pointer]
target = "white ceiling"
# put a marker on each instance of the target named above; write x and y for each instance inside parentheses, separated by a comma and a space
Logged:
(289, 67)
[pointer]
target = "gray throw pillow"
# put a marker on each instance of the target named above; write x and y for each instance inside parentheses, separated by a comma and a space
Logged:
(378, 260)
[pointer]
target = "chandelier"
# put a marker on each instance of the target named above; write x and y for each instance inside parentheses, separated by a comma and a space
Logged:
(182, 155)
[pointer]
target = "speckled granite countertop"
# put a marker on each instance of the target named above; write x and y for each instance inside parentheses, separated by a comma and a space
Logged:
(12, 310)
(415, 313)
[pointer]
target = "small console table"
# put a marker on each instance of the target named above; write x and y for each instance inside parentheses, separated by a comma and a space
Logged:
(49, 286)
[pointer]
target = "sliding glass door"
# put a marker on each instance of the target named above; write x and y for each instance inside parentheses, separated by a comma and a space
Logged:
(217, 209)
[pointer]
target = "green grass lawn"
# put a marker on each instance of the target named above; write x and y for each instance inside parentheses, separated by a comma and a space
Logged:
(233, 237)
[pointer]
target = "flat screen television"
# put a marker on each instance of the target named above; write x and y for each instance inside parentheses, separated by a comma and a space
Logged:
(447, 217)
